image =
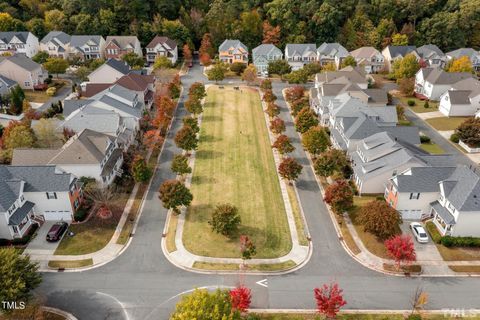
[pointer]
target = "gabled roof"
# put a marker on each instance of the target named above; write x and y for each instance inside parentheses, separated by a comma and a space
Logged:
(120, 66)
(233, 43)
(92, 89)
(123, 42)
(399, 51)
(349, 75)
(56, 35)
(70, 106)
(439, 76)
(135, 82)
(266, 49)
(22, 61)
(463, 52)
(463, 189)
(332, 49)
(79, 41)
(89, 117)
(163, 41)
(8, 83)
(421, 179)
(430, 51)
(364, 53)
(459, 96)
(7, 36)
(292, 49)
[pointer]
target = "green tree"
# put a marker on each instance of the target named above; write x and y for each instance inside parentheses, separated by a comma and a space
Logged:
(312, 68)
(339, 196)
(406, 67)
(266, 85)
(140, 170)
(249, 74)
(204, 305)
(56, 65)
(180, 165)
(197, 91)
(16, 100)
(55, 19)
(238, 67)
(174, 194)
(18, 275)
(329, 162)
(217, 72)
(105, 22)
(385, 29)
(41, 57)
(378, 218)
(444, 29)
(186, 139)
(297, 76)
(133, 60)
(279, 67)
(162, 62)
(305, 119)
(192, 123)
(399, 39)
(225, 219)
(37, 27)
(249, 28)
(349, 61)
(289, 169)
(8, 23)
(194, 106)
(82, 73)
(315, 140)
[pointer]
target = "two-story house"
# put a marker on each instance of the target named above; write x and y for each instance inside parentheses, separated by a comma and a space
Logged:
(472, 54)
(232, 51)
(457, 208)
(117, 46)
(331, 53)
(393, 53)
(86, 154)
(347, 75)
(162, 47)
(369, 58)
(87, 47)
(263, 54)
(56, 44)
(463, 99)
(15, 42)
(431, 83)
(381, 156)
(109, 72)
(23, 71)
(432, 56)
(32, 194)
(300, 54)
(410, 192)
(143, 85)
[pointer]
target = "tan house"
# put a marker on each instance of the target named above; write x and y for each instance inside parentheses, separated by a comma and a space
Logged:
(56, 44)
(22, 70)
(117, 46)
(231, 51)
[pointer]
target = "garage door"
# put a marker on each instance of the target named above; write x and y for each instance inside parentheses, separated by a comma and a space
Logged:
(58, 216)
(411, 214)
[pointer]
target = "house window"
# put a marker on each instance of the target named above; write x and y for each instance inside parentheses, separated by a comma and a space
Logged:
(75, 204)
(27, 84)
(51, 195)
(86, 49)
(415, 196)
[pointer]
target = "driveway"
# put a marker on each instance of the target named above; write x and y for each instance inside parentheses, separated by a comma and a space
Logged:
(39, 245)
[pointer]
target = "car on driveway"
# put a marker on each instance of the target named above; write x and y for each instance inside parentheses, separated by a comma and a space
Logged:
(56, 231)
(419, 232)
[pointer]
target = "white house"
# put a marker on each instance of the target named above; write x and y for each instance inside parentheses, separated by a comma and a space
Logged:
(33, 194)
(463, 99)
(431, 83)
(162, 47)
(410, 192)
(331, 53)
(56, 44)
(300, 54)
(19, 42)
(109, 72)
(432, 56)
(87, 47)
(263, 54)
(393, 53)
(369, 58)
(457, 208)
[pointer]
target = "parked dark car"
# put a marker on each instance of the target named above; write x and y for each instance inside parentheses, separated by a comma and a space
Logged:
(56, 231)
(190, 65)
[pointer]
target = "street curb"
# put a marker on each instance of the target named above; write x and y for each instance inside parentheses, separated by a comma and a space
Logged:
(66, 315)
(362, 311)
(280, 272)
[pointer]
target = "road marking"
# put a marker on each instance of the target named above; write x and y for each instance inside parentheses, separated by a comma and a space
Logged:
(124, 309)
(263, 283)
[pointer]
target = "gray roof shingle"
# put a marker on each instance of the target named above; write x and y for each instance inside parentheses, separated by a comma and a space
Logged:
(464, 191)
(422, 179)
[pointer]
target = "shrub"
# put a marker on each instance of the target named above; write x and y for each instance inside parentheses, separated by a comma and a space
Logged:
(411, 103)
(433, 231)
(415, 316)
(237, 67)
(51, 91)
(225, 219)
(449, 241)
(455, 138)
(469, 132)
(426, 105)
(425, 139)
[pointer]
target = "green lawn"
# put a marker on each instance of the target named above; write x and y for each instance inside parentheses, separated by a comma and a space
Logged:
(446, 123)
(55, 264)
(234, 164)
(36, 96)
(419, 105)
(432, 148)
(232, 266)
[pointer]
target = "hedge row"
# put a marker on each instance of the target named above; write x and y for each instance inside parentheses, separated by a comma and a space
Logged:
(449, 241)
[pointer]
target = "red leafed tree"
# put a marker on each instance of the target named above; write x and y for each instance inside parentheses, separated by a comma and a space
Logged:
(271, 34)
(401, 249)
(289, 169)
(206, 50)
(151, 139)
(268, 96)
(339, 196)
(294, 93)
(277, 125)
(241, 298)
(329, 299)
(187, 53)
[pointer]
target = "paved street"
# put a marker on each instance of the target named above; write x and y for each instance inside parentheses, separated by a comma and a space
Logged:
(141, 284)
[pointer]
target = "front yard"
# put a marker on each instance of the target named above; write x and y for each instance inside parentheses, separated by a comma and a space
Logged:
(419, 105)
(432, 148)
(446, 123)
(234, 164)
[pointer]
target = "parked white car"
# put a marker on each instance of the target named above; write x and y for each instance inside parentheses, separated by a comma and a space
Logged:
(419, 232)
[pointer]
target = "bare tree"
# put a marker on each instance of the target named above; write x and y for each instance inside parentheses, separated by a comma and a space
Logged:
(419, 299)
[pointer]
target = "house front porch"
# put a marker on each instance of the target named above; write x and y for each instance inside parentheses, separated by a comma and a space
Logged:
(442, 219)
(21, 220)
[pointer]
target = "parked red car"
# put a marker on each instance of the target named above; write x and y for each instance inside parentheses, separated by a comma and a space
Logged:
(56, 231)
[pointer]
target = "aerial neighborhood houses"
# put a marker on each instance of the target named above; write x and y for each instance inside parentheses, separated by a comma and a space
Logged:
(263, 55)
(56, 44)
(117, 46)
(369, 58)
(431, 83)
(473, 56)
(162, 47)
(300, 54)
(393, 53)
(87, 47)
(331, 53)
(15, 42)
(232, 51)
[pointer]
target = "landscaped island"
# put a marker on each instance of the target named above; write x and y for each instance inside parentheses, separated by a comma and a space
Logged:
(234, 164)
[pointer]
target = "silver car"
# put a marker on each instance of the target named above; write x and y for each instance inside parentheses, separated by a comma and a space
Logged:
(419, 232)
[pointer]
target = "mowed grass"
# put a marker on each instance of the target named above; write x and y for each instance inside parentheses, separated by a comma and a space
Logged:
(234, 164)
(432, 148)
(446, 123)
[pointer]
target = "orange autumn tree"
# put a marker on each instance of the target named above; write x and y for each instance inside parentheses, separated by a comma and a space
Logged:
(206, 50)
(271, 34)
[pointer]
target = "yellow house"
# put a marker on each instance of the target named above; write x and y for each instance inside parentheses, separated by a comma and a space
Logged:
(231, 51)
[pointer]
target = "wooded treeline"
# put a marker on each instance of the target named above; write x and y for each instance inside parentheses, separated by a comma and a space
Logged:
(450, 24)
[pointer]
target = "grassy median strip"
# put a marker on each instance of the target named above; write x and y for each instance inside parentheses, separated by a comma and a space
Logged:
(233, 266)
(234, 164)
(467, 269)
(132, 215)
(57, 264)
(302, 238)
(172, 230)
(432, 148)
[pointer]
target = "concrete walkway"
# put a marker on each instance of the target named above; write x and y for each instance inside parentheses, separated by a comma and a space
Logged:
(185, 259)
(430, 115)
